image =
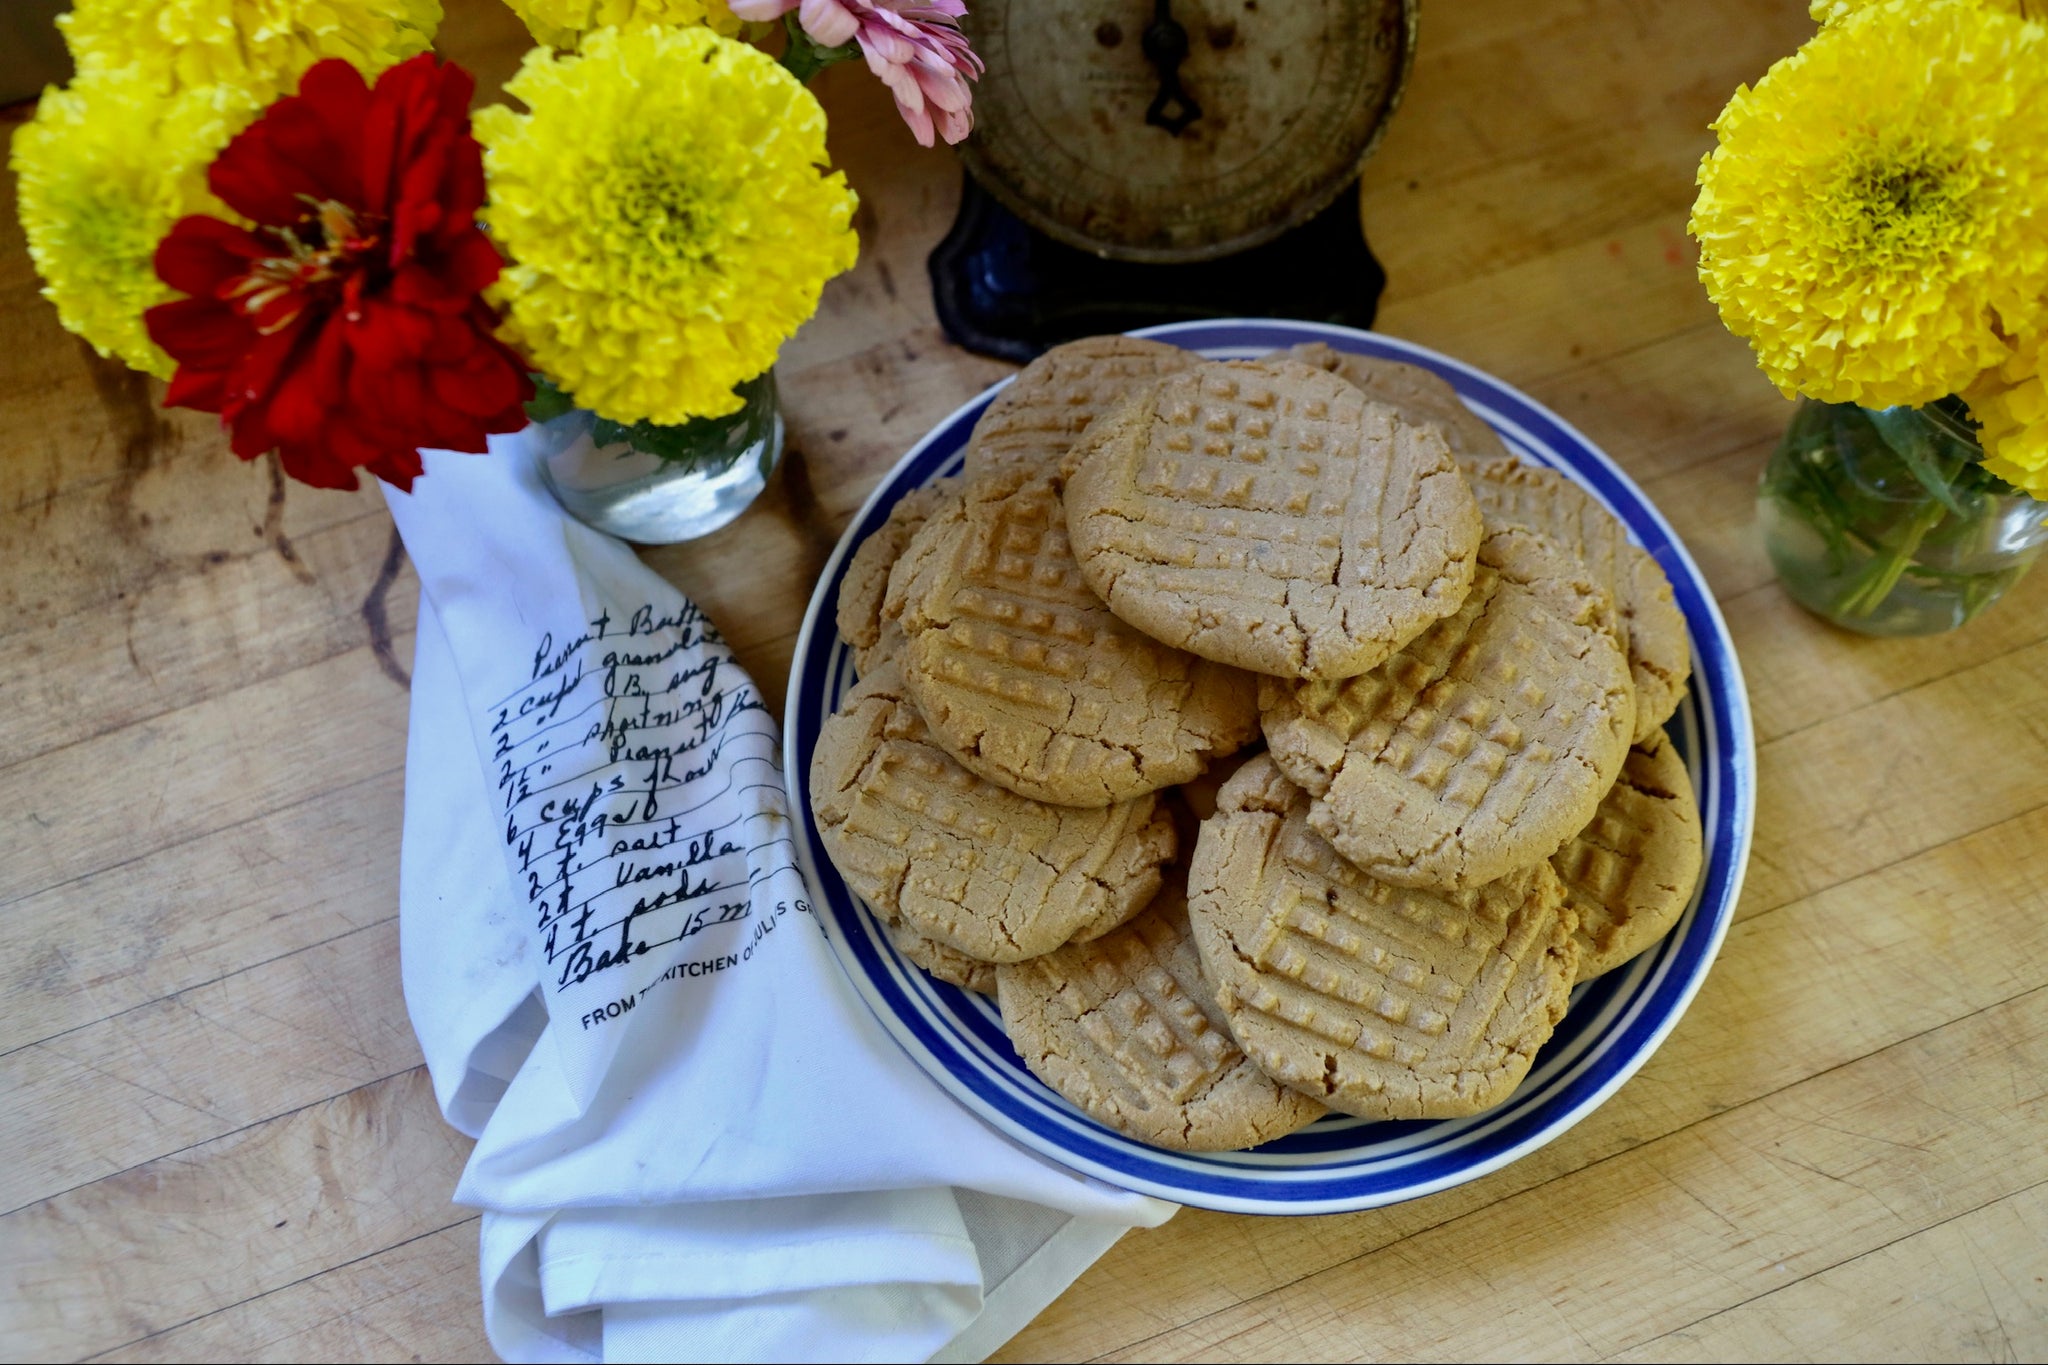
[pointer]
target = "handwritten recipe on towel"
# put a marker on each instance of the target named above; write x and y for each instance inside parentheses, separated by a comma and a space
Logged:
(642, 803)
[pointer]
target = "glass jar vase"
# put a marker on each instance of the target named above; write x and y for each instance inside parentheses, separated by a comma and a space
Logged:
(1883, 520)
(656, 485)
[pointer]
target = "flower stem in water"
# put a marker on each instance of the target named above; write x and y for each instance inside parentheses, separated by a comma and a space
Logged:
(1876, 582)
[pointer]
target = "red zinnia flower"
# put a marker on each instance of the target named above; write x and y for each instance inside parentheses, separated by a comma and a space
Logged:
(347, 328)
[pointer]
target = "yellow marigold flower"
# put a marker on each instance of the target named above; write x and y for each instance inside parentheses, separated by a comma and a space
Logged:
(562, 23)
(667, 214)
(1827, 11)
(105, 167)
(2012, 404)
(1877, 211)
(264, 46)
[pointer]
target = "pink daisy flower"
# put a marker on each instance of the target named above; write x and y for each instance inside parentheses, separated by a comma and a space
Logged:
(914, 46)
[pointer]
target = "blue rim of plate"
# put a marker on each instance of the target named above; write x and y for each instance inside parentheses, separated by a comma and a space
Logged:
(1337, 1164)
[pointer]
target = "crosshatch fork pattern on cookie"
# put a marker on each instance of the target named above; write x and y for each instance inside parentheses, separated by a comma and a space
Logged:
(1246, 478)
(1383, 970)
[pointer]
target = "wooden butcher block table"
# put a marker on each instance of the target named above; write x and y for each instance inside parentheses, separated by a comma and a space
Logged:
(218, 1138)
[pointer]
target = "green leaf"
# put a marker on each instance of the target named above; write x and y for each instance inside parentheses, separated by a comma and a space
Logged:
(805, 57)
(699, 442)
(1951, 416)
(710, 444)
(1915, 440)
(548, 402)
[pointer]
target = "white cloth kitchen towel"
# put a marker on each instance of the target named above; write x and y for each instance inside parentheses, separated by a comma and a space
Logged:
(693, 1140)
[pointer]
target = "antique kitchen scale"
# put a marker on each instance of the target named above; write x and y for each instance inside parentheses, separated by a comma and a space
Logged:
(1143, 161)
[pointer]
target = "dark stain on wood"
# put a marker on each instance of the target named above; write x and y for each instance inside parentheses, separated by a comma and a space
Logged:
(273, 523)
(805, 513)
(132, 416)
(128, 639)
(864, 221)
(378, 620)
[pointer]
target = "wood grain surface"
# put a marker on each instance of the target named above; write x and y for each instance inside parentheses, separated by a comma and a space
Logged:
(220, 1140)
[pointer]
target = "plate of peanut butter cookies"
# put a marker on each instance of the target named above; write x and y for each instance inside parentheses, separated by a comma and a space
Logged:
(1270, 766)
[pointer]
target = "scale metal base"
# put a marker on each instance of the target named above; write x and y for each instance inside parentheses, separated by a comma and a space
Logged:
(1004, 289)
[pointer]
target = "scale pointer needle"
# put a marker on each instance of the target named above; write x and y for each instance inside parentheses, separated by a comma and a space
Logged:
(1166, 46)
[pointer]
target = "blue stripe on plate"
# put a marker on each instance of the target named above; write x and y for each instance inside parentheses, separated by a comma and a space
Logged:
(1339, 1163)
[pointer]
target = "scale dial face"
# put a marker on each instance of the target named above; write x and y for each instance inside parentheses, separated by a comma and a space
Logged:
(1287, 98)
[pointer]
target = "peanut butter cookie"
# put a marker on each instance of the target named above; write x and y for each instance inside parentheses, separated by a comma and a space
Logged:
(1028, 679)
(1651, 627)
(1419, 395)
(1376, 1000)
(1128, 1029)
(1482, 746)
(1629, 874)
(866, 584)
(1266, 514)
(943, 961)
(995, 875)
(1034, 422)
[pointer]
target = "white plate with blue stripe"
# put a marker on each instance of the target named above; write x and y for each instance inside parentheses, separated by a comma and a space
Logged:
(1338, 1163)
